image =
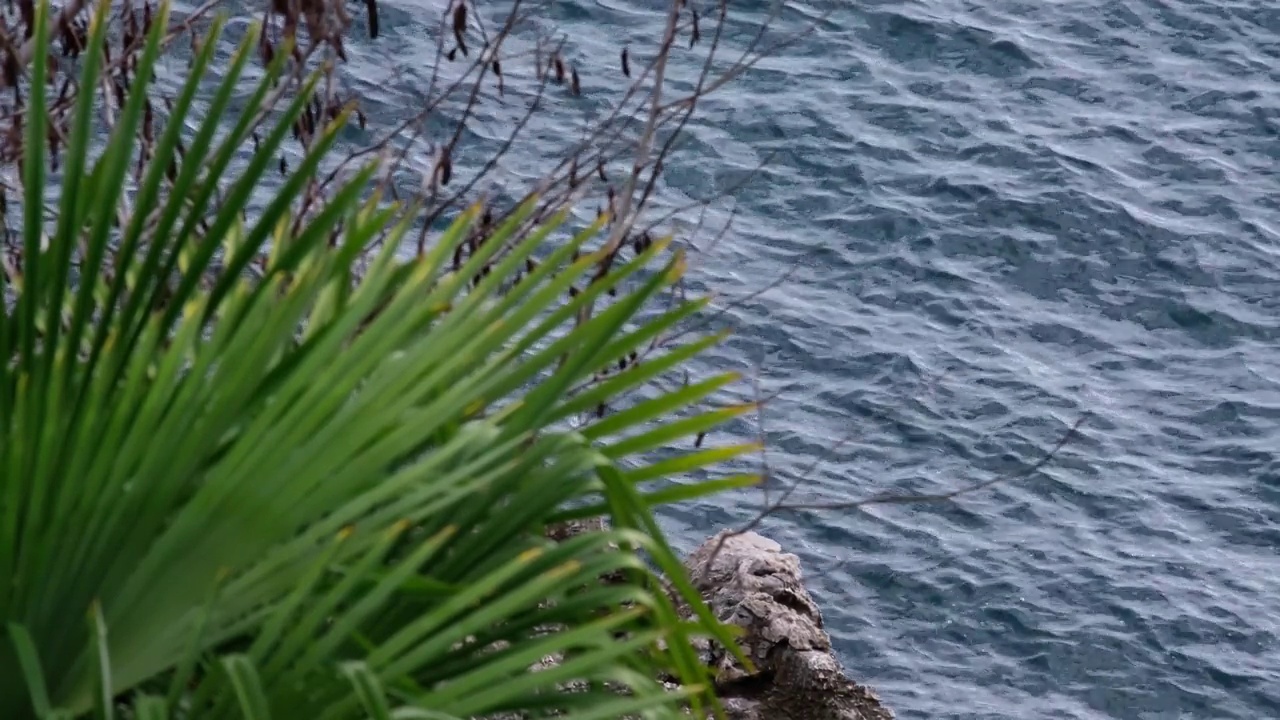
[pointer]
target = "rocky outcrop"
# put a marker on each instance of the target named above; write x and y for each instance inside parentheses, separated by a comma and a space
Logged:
(748, 581)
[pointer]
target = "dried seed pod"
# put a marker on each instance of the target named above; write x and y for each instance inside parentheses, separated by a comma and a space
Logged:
(626, 63)
(71, 40)
(697, 34)
(372, 7)
(309, 124)
(459, 19)
(698, 443)
(171, 172)
(445, 166)
(53, 148)
(600, 171)
(11, 70)
(575, 86)
(558, 64)
(130, 32)
(148, 120)
(118, 88)
(460, 26)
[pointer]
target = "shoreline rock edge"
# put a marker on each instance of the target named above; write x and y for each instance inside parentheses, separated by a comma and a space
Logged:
(750, 582)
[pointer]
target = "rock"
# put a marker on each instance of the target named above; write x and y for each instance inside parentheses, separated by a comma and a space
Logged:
(748, 581)
(751, 583)
(573, 528)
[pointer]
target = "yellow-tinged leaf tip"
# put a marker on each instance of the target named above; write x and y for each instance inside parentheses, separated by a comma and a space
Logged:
(678, 267)
(346, 532)
(98, 17)
(530, 554)
(565, 569)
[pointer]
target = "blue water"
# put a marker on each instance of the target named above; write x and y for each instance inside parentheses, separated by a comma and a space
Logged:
(999, 215)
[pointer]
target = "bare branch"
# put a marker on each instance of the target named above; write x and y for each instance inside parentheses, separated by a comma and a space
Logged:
(781, 505)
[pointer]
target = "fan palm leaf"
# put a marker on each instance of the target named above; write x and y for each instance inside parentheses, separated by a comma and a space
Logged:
(303, 493)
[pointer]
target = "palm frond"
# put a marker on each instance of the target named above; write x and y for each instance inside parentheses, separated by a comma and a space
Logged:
(311, 492)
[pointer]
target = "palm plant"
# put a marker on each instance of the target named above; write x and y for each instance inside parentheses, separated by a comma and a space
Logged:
(307, 493)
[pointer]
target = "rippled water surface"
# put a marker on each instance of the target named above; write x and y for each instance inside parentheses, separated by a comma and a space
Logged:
(1002, 214)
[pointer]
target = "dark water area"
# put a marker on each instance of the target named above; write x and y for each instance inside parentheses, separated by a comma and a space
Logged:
(1001, 214)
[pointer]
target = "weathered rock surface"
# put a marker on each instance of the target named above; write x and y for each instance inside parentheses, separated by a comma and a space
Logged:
(748, 581)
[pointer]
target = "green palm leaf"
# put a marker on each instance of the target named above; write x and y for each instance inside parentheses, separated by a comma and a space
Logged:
(314, 493)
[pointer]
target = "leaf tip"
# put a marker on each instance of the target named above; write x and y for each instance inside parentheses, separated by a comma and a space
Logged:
(678, 267)
(565, 569)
